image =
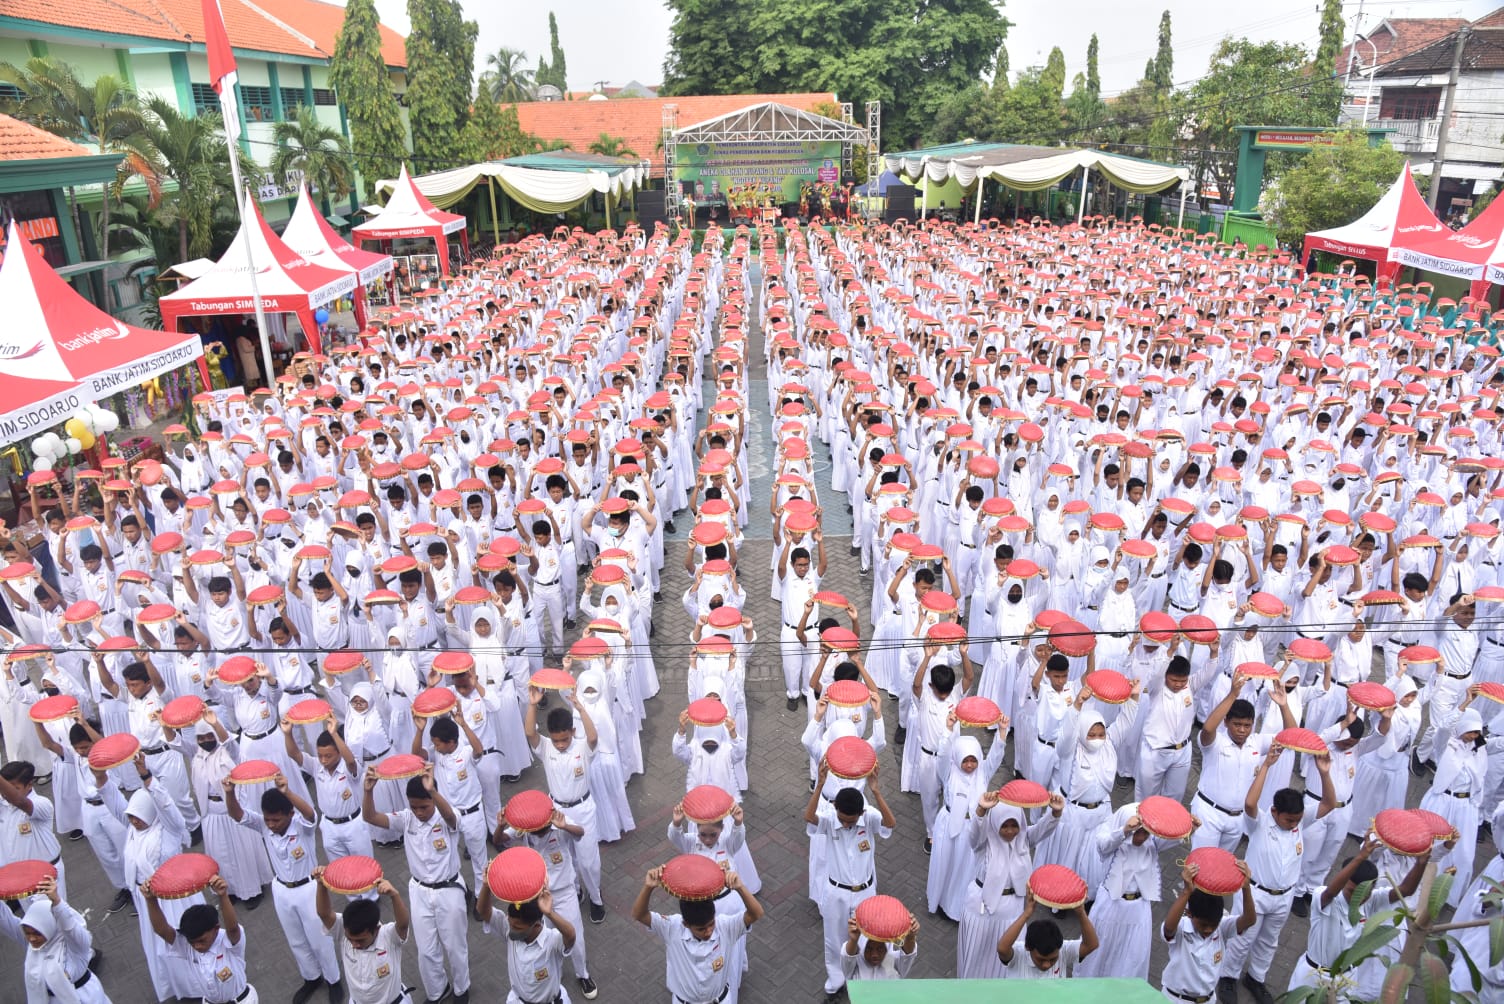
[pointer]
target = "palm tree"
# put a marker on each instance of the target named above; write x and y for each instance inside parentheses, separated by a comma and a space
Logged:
(189, 150)
(105, 114)
(322, 155)
(611, 146)
(510, 78)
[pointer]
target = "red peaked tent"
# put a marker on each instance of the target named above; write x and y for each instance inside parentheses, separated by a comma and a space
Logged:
(1400, 217)
(59, 352)
(408, 213)
(1475, 252)
(287, 282)
(311, 236)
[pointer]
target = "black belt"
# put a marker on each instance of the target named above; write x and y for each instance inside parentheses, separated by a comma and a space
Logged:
(718, 998)
(555, 999)
(1193, 998)
(1006, 892)
(256, 735)
(540, 585)
(1402, 642)
(1339, 805)
(1312, 963)
(341, 819)
(1129, 897)
(296, 882)
(1087, 805)
(1178, 746)
(93, 801)
(375, 756)
(1214, 805)
(297, 690)
(466, 812)
(244, 993)
(154, 750)
(216, 798)
(1460, 676)
(1459, 794)
(1177, 606)
(1273, 892)
(1048, 742)
(928, 752)
(1493, 641)
(452, 882)
(78, 984)
(853, 888)
(570, 805)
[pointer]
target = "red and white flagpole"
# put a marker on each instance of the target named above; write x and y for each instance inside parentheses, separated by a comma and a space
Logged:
(223, 76)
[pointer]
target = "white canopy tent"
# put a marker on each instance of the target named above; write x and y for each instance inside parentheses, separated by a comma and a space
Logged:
(1032, 168)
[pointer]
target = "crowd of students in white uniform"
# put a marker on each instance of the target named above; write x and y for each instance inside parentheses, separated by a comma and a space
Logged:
(1244, 489)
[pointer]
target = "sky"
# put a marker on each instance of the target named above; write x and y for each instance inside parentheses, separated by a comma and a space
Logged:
(617, 41)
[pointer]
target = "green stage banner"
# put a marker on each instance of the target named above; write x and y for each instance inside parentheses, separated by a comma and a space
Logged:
(781, 166)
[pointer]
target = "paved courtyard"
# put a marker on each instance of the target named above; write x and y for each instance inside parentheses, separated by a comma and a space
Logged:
(625, 960)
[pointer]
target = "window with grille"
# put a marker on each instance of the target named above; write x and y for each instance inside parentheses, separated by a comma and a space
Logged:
(323, 96)
(10, 92)
(1410, 103)
(257, 102)
(204, 98)
(292, 99)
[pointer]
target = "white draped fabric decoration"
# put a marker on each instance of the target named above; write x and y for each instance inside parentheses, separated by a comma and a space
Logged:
(1041, 172)
(551, 191)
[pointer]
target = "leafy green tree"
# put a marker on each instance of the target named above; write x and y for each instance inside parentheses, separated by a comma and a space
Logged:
(1161, 69)
(1236, 91)
(494, 132)
(611, 146)
(360, 77)
(507, 77)
(1328, 93)
(1331, 186)
(440, 62)
(104, 114)
(1093, 74)
(706, 50)
(189, 151)
(319, 152)
(554, 70)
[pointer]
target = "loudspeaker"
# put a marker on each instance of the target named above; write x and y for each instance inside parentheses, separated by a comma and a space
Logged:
(900, 203)
(650, 210)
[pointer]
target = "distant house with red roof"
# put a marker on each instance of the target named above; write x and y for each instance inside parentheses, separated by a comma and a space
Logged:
(35, 169)
(283, 49)
(639, 121)
(1403, 65)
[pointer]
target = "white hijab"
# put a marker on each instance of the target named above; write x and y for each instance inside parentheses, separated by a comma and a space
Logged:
(47, 967)
(1008, 863)
(962, 790)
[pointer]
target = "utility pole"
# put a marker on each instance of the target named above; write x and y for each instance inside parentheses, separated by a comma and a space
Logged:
(1352, 50)
(1439, 160)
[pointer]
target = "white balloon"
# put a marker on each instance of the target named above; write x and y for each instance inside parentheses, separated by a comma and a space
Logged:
(111, 421)
(74, 446)
(42, 464)
(39, 446)
(90, 418)
(56, 449)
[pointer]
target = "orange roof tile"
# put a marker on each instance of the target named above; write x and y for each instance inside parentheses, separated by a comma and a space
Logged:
(23, 141)
(288, 27)
(639, 121)
(1397, 37)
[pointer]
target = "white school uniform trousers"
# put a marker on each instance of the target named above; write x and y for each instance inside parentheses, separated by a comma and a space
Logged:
(798, 660)
(436, 895)
(1164, 753)
(1273, 858)
(458, 781)
(568, 776)
(1324, 836)
(293, 857)
(1226, 773)
(850, 878)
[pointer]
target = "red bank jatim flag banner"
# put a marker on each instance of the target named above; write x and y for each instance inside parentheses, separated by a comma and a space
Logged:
(222, 73)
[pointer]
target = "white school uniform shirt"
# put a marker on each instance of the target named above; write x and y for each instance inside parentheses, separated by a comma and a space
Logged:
(1022, 966)
(336, 790)
(144, 726)
(697, 970)
(557, 849)
(1273, 853)
(433, 853)
(566, 772)
(1194, 961)
(535, 967)
(1168, 716)
(257, 713)
(218, 975)
(292, 852)
(1227, 769)
(25, 836)
(374, 974)
(895, 965)
(456, 776)
(851, 854)
(226, 624)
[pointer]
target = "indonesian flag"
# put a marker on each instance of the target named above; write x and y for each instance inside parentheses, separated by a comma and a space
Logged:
(222, 73)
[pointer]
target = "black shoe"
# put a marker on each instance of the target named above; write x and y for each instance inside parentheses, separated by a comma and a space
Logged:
(441, 998)
(120, 902)
(1256, 987)
(929, 845)
(597, 913)
(1227, 990)
(76, 835)
(793, 704)
(253, 902)
(463, 997)
(306, 991)
(899, 735)
(1301, 906)
(569, 624)
(668, 526)
(511, 778)
(834, 997)
(336, 992)
(196, 837)
(811, 784)
(588, 989)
